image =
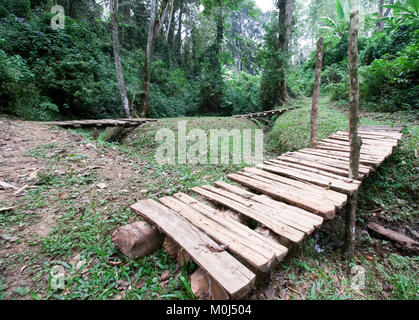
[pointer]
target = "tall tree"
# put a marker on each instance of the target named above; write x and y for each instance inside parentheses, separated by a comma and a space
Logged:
(153, 33)
(116, 52)
(354, 140)
(382, 14)
(316, 93)
(286, 18)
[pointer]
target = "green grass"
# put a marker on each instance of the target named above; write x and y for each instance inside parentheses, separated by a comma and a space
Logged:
(393, 188)
(291, 131)
(86, 228)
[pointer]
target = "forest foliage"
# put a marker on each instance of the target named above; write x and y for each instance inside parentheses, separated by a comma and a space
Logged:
(213, 57)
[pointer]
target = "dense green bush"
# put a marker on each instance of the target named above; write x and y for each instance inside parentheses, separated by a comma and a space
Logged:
(242, 94)
(389, 42)
(391, 85)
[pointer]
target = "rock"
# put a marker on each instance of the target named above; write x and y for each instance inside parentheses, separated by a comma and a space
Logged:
(137, 240)
(205, 287)
(101, 185)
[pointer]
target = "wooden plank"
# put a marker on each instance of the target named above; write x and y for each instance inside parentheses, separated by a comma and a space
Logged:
(341, 156)
(259, 256)
(365, 140)
(340, 164)
(229, 273)
(309, 169)
(365, 143)
(375, 154)
(369, 149)
(318, 193)
(375, 135)
(325, 209)
(290, 220)
(316, 165)
(315, 220)
(321, 180)
(371, 139)
(256, 239)
(272, 223)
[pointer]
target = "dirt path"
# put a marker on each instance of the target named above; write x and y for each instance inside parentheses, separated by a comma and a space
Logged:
(53, 169)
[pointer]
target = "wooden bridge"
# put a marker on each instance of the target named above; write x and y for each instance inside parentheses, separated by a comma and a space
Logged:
(263, 114)
(291, 195)
(101, 123)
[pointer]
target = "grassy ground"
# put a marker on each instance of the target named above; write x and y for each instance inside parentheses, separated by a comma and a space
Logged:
(389, 196)
(77, 217)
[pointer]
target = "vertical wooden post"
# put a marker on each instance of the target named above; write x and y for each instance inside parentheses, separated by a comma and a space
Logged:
(316, 93)
(354, 140)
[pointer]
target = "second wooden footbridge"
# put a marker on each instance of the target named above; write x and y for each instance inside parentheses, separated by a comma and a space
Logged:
(291, 196)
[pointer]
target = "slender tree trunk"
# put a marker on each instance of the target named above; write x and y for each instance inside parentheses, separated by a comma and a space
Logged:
(382, 14)
(316, 93)
(178, 40)
(170, 21)
(354, 140)
(118, 65)
(153, 33)
(286, 18)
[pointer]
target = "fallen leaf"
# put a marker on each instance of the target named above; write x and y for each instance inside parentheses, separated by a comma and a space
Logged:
(8, 238)
(113, 263)
(101, 185)
(165, 275)
(4, 209)
(270, 292)
(20, 190)
(64, 195)
(33, 174)
(4, 185)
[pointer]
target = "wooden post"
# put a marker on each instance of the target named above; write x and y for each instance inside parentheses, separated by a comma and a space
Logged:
(316, 93)
(354, 140)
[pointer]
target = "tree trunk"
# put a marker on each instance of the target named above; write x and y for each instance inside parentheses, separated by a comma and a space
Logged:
(382, 14)
(354, 140)
(178, 40)
(316, 93)
(153, 32)
(286, 18)
(170, 21)
(380, 24)
(118, 65)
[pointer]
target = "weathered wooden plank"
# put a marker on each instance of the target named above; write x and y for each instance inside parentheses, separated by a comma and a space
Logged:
(272, 223)
(381, 145)
(341, 164)
(293, 221)
(321, 180)
(375, 135)
(316, 165)
(365, 151)
(229, 273)
(256, 240)
(315, 220)
(309, 169)
(325, 209)
(341, 156)
(317, 193)
(103, 122)
(256, 255)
